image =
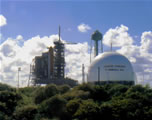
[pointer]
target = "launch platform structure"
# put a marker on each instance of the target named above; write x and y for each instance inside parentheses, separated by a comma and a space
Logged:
(59, 59)
(49, 68)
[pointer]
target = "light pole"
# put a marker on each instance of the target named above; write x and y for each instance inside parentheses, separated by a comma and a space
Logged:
(28, 84)
(83, 73)
(19, 69)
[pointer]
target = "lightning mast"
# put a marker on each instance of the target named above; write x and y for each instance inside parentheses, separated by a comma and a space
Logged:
(59, 60)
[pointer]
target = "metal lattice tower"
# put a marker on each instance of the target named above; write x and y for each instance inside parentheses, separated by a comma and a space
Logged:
(59, 60)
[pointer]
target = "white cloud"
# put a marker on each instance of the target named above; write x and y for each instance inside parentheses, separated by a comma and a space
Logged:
(118, 36)
(84, 27)
(75, 56)
(3, 21)
(19, 37)
(146, 44)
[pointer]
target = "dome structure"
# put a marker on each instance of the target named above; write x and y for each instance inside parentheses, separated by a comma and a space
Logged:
(110, 67)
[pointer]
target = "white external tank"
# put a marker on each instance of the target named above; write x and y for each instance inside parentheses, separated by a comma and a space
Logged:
(111, 67)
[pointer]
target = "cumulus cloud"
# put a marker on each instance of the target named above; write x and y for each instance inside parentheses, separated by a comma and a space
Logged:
(19, 37)
(3, 21)
(76, 55)
(84, 27)
(118, 37)
(146, 44)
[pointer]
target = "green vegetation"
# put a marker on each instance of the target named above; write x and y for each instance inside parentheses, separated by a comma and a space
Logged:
(83, 102)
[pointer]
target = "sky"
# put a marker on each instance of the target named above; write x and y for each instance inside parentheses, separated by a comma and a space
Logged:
(27, 27)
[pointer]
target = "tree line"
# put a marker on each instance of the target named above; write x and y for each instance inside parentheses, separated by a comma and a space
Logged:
(83, 102)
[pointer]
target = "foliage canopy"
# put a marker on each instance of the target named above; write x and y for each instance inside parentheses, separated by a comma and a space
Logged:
(83, 102)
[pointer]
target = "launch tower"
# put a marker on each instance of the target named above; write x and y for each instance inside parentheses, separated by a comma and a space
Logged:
(59, 61)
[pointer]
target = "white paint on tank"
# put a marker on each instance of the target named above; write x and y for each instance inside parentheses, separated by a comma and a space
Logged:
(111, 66)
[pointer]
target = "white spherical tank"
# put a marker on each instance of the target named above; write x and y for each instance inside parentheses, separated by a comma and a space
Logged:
(111, 67)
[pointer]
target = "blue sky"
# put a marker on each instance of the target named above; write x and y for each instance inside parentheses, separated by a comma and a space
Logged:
(27, 27)
(31, 18)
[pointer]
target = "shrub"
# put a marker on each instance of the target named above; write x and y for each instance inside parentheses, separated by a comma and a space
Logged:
(25, 113)
(53, 107)
(88, 110)
(45, 92)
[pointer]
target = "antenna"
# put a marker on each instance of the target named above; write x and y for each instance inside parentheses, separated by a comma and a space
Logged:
(87, 78)
(19, 69)
(83, 73)
(98, 74)
(28, 84)
(101, 46)
(59, 32)
(90, 51)
(143, 78)
(111, 46)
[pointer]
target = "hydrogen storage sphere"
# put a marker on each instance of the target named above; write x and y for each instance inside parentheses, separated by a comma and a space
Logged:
(111, 67)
